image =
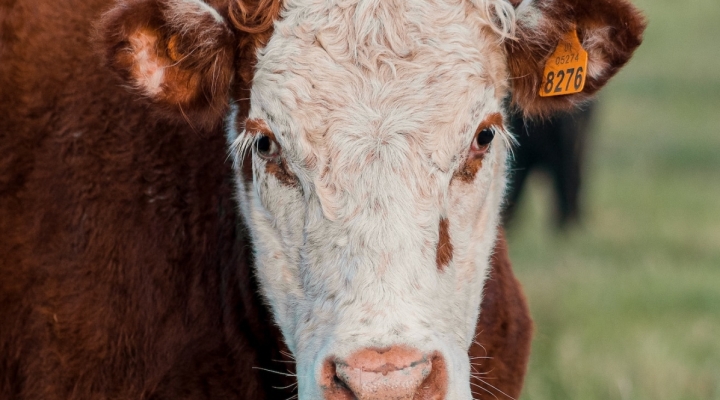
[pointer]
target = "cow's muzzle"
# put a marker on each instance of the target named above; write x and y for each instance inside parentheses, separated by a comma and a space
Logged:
(397, 373)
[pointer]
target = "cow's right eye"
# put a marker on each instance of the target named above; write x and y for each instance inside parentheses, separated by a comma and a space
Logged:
(267, 147)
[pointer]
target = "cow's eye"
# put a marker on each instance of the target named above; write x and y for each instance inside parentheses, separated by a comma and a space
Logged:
(484, 137)
(266, 147)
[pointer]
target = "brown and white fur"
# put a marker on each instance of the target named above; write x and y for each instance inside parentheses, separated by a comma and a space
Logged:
(373, 218)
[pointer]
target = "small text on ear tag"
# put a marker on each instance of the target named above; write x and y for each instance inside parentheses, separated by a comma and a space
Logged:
(566, 68)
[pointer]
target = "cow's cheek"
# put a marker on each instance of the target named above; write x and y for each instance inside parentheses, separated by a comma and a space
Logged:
(474, 230)
(276, 215)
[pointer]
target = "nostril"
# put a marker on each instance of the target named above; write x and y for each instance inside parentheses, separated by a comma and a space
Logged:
(435, 385)
(339, 383)
(332, 386)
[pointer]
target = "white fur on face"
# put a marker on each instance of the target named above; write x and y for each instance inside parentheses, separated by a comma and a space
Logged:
(375, 105)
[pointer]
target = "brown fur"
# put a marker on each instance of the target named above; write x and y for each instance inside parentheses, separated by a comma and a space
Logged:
(278, 167)
(198, 50)
(469, 168)
(527, 55)
(259, 126)
(444, 252)
(503, 334)
(492, 120)
(126, 271)
(281, 171)
(474, 160)
(254, 18)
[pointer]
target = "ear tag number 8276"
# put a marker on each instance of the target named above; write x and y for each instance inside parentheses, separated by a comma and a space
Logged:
(566, 69)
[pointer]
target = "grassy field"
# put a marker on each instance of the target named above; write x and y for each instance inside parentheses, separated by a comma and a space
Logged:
(627, 306)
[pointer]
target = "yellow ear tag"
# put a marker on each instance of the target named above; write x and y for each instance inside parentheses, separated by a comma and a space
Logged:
(566, 68)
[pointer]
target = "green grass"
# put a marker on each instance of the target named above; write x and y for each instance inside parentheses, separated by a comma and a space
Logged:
(627, 306)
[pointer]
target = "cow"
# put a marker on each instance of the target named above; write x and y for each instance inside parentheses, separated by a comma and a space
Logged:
(260, 199)
(557, 146)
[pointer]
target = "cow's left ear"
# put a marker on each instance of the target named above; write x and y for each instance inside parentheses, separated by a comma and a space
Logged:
(176, 53)
(608, 30)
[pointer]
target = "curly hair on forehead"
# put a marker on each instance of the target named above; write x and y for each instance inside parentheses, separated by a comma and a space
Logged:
(255, 18)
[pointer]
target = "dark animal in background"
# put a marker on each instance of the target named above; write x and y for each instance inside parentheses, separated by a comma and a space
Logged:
(557, 146)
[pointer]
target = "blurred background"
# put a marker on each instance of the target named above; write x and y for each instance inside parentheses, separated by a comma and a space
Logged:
(627, 302)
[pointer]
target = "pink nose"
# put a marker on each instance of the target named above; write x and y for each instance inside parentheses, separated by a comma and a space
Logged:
(397, 373)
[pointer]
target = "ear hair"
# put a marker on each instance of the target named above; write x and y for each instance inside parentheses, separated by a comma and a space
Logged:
(609, 30)
(254, 19)
(176, 53)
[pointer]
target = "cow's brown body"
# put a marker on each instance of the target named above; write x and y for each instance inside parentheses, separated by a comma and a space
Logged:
(125, 271)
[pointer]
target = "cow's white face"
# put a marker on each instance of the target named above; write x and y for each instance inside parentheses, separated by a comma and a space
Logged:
(377, 151)
(374, 197)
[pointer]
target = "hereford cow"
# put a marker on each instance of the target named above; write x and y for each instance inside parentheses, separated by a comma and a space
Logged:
(367, 154)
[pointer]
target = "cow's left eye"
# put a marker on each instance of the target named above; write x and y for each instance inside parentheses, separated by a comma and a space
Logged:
(482, 141)
(484, 137)
(266, 147)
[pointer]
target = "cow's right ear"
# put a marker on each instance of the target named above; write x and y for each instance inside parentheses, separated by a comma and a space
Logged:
(177, 53)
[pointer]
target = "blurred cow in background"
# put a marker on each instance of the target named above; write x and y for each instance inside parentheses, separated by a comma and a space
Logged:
(557, 146)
